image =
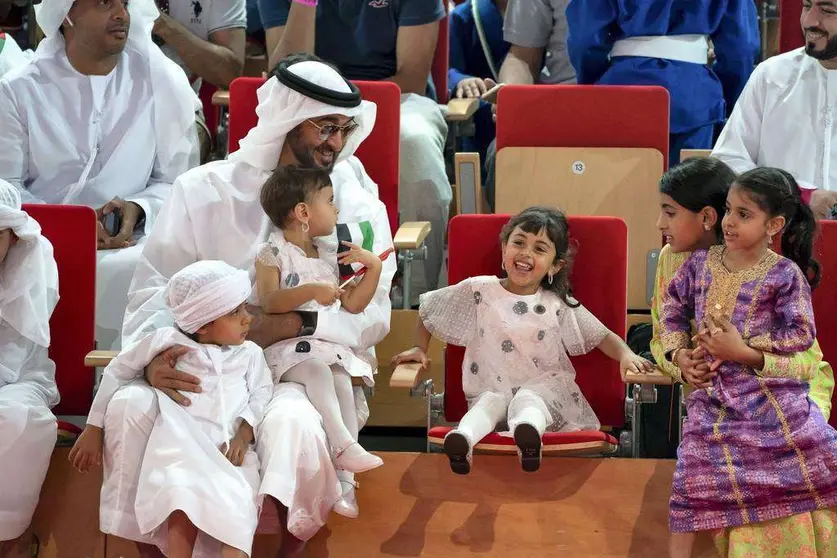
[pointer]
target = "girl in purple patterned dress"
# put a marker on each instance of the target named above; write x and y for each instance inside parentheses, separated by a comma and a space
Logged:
(757, 462)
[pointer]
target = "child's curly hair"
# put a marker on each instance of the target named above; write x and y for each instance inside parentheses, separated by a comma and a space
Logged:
(553, 222)
(289, 186)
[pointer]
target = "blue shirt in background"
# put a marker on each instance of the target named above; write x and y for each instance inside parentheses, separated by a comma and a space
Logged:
(358, 36)
(467, 59)
(699, 95)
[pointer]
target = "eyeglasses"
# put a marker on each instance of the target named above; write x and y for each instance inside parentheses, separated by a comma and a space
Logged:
(328, 130)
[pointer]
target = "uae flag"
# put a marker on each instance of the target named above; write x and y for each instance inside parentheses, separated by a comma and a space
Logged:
(359, 234)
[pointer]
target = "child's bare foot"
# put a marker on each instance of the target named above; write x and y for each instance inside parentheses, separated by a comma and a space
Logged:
(459, 452)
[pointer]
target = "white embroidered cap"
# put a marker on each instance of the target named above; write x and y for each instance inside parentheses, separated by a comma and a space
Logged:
(204, 291)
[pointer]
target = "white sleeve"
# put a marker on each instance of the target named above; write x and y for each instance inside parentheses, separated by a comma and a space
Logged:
(170, 247)
(738, 144)
(259, 386)
(128, 365)
(14, 145)
(581, 331)
(368, 328)
(227, 14)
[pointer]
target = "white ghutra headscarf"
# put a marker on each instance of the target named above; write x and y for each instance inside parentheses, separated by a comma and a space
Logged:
(175, 100)
(28, 275)
(204, 291)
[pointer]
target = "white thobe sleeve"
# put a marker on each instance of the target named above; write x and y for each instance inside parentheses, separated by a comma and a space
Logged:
(14, 145)
(155, 194)
(128, 365)
(368, 328)
(739, 142)
(170, 247)
(259, 386)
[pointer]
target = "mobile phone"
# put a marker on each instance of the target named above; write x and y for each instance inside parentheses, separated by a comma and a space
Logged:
(113, 222)
(491, 95)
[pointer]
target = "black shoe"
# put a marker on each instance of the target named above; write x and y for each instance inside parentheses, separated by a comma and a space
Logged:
(459, 453)
(528, 447)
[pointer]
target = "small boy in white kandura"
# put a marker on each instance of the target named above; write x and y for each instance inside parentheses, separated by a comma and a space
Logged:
(200, 473)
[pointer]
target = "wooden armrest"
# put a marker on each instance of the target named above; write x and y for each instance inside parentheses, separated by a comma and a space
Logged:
(656, 378)
(405, 376)
(99, 359)
(460, 110)
(221, 98)
(411, 235)
(694, 153)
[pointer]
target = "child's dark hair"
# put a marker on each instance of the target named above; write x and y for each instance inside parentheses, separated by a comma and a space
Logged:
(533, 220)
(289, 186)
(697, 183)
(777, 193)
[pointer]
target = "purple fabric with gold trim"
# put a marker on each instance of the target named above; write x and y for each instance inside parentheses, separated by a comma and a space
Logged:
(754, 446)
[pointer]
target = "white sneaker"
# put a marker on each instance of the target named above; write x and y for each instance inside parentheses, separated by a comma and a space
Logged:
(354, 459)
(347, 504)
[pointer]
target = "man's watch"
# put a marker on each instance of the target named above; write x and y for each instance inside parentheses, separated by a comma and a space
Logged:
(309, 323)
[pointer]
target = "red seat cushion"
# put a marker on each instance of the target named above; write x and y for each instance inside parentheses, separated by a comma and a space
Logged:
(586, 441)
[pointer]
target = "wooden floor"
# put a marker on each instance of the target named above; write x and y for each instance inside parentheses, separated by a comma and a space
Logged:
(414, 506)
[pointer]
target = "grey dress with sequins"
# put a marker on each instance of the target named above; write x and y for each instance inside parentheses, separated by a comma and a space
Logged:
(295, 269)
(514, 342)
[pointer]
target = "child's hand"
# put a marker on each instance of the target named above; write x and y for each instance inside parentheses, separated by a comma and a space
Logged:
(694, 368)
(412, 355)
(634, 363)
(236, 451)
(87, 451)
(721, 340)
(325, 293)
(356, 254)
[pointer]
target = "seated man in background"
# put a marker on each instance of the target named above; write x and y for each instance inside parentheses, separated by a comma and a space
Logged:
(477, 50)
(785, 116)
(537, 33)
(205, 37)
(665, 44)
(100, 118)
(391, 41)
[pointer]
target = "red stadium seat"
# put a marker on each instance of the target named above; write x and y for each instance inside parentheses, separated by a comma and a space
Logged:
(72, 232)
(599, 282)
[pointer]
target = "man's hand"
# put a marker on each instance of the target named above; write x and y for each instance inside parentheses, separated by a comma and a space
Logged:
(473, 88)
(131, 214)
(267, 329)
(162, 375)
(821, 203)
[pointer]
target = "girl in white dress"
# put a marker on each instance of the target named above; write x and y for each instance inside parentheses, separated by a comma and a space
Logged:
(517, 332)
(297, 269)
(199, 479)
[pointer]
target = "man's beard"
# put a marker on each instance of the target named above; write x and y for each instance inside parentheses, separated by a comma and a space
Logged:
(827, 53)
(305, 156)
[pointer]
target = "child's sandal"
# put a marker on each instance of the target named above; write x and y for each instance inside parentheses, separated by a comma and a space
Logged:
(528, 442)
(459, 453)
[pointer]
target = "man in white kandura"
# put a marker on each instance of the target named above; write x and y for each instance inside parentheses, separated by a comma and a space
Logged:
(309, 115)
(785, 116)
(28, 430)
(100, 118)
